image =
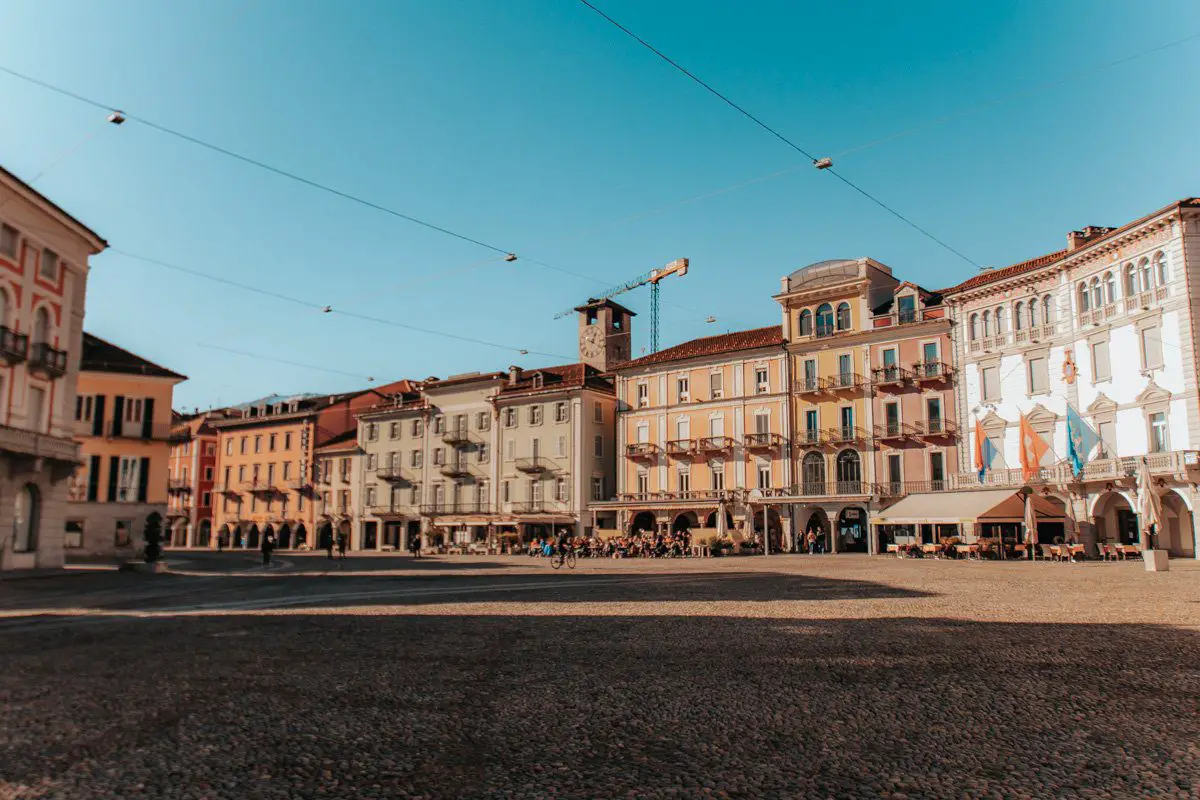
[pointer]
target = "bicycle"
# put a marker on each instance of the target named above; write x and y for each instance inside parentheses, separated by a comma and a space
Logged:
(567, 557)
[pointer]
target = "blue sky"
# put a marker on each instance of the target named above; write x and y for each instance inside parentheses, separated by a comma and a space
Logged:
(536, 125)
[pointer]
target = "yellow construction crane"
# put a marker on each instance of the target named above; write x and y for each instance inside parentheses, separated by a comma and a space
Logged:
(677, 267)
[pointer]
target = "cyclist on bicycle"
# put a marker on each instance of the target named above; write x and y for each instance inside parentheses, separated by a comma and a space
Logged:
(563, 544)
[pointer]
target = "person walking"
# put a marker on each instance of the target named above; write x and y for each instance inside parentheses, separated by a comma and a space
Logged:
(327, 543)
(268, 544)
(811, 539)
(414, 545)
(341, 545)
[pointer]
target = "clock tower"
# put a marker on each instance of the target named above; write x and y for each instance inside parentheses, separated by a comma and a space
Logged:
(605, 332)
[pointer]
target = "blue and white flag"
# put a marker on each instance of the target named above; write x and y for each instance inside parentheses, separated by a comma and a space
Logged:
(1081, 440)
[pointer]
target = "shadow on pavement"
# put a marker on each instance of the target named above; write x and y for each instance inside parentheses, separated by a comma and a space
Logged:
(483, 706)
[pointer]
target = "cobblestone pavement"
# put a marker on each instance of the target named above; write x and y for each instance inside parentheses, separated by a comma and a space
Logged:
(495, 677)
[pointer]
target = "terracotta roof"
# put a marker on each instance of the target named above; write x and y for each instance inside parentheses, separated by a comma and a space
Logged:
(100, 243)
(102, 356)
(454, 380)
(993, 275)
(340, 441)
(712, 345)
(566, 376)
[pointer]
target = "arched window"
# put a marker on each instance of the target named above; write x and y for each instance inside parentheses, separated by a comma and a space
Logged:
(1130, 281)
(1161, 273)
(824, 320)
(843, 317)
(1110, 288)
(1001, 325)
(1047, 310)
(973, 328)
(41, 325)
(1145, 281)
(1033, 312)
(1018, 316)
(806, 323)
(25, 519)
(1085, 303)
(1097, 294)
(813, 474)
(987, 324)
(849, 472)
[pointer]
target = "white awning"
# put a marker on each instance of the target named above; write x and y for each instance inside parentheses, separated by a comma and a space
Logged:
(966, 508)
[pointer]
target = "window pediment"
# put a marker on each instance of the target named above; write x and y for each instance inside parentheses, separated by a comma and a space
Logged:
(1153, 393)
(1103, 404)
(1040, 414)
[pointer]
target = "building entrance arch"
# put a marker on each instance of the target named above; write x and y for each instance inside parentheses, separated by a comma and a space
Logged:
(852, 530)
(1176, 534)
(284, 536)
(252, 538)
(643, 522)
(818, 525)
(300, 537)
(1114, 518)
(685, 522)
(204, 533)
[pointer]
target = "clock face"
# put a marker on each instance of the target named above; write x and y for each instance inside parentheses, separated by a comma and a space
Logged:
(591, 341)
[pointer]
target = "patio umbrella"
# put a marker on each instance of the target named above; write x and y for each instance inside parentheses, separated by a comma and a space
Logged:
(1030, 526)
(1149, 505)
(721, 519)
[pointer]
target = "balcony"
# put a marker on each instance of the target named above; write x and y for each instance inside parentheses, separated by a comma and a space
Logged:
(896, 489)
(14, 347)
(534, 465)
(763, 441)
(455, 436)
(47, 362)
(452, 507)
(845, 434)
(891, 377)
(681, 448)
(893, 430)
(936, 427)
(715, 444)
(396, 509)
(260, 486)
(834, 488)
(179, 485)
(221, 487)
(393, 474)
(809, 384)
(812, 437)
(299, 484)
(641, 451)
(932, 371)
(844, 381)
(38, 445)
(534, 506)
(124, 429)
(455, 469)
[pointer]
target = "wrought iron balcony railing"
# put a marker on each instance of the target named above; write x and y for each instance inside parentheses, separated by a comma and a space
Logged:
(14, 347)
(47, 361)
(936, 426)
(533, 465)
(641, 450)
(456, 435)
(931, 371)
(893, 430)
(891, 376)
(681, 448)
(845, 433)
(715, 444)
(811, 437)
(763, 441)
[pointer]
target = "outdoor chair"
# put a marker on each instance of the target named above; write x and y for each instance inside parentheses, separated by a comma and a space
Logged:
(1102, 549)
(1047, 552)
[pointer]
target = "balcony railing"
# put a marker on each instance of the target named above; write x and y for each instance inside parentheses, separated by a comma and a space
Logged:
(453, 507)
(936, 426)
(641, 450)
(455, 469)
(681, 448)
(715, 444)
(299, 484)
(125, 429)
(833, 488)
(891, 375)
(931, 371)
(455, 436)
(14, 347)
(893, 429)
(179, 485)
(845, 433)
(536, 506)
(811, 437)
(385, 510)
(894, 489)
(47, 361)
(809, 384)
(842, 381)
(690, 494)
(221, 487)
(533, 465)
(763, 441)
(261, 486)
(388, 472)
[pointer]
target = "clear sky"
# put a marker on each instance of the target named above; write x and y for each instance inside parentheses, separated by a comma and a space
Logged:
(536, 125)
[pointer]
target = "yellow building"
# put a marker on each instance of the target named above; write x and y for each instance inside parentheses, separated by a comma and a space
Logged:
(122, 421)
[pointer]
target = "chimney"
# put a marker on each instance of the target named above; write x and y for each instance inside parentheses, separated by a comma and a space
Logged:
(785, 284)
(514, 375)
(1077, 239)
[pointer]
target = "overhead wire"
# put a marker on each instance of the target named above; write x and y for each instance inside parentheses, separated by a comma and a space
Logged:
(260, 357)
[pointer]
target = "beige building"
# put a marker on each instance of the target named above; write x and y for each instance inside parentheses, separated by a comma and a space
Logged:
(44, 256)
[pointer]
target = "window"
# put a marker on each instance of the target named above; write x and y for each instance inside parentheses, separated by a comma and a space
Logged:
(560, 447)
(973, 328)
(598, 413)
(813, 474)
(49, 265)
(937, 471)
(891, 419)
(764, 474)
(287, 470)
(1145, 279)
(129, 478)
(683, 389)
(846, 417)
(598, 446)
(133, 409)
(810, 382)
(906, 308)
(206, 500)
(560, 490)
(1161, 274)
(683, 478)
(1097, 294)
(762, 422)
(598, 488)
(1107, 431)
(894, 475)
(933, 413)
(1047, 310)
(1110, 288)
(287, 441)
(1151, 348)
(394, 430)
(8, 241)
(535, 415)
(825, 320)
(991, 383)
(560, 412)
(643, 394)
(505, 491)
(683, 428)
(761, 381)
(271, 441)
(229, 447)
(37, 409)
(372, 432)
(510, 450)
(643, 481)
(372, 462)
(208, 472)
(845, 369)
(1158, 432)
(483, 421)
(1032, 313)
(270, 474)
(1101, 371)
(843, 317)
(510, 418)
(718, 475)
(418, 427)
(416, 459)
(806, 323)
(930, 354)
(716, 385)
(1018, 317)
(439, 425)
(810, 424)
(26, 510)
(1000, 322)
(1085, 300)
(482, 454)
(414, 496)
(437, 457)
(1038, 378)
(716, 425)
(84, 407)
(257, 440)
(370, 496)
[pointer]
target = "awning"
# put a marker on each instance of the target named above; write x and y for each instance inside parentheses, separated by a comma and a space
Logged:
(966, 508)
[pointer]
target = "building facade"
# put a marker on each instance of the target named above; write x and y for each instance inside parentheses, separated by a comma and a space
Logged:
(123, 423)
(339, 481)
(44, 256)
(192, 475)
(1108, 326)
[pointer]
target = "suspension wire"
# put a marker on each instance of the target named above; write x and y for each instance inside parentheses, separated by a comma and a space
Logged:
(260, 357)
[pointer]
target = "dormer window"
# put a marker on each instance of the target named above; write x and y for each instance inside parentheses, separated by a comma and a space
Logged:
(294, 406)
(906, 308)
(538, 380)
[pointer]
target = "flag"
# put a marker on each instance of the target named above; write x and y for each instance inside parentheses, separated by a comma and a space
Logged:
(985, 451)
(1033, 447)
(1081, 439)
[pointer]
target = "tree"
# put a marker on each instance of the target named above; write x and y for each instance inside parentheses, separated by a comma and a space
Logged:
(153, 537)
